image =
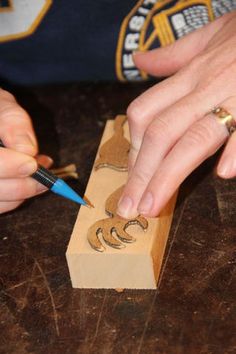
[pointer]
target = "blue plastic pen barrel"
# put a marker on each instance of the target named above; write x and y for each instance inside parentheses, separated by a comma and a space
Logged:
(55, 184)
(44, 177)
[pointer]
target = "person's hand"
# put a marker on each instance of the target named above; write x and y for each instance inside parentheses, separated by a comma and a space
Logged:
(172, 129)
(19, 160)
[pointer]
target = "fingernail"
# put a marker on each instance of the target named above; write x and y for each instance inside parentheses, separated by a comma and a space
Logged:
(226, 168)
(125, 206)
(27, 168)
(146, 204)
(41, 188)
(48, 160)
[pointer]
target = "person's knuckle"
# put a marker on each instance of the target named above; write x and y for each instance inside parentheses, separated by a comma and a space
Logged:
(20, 114)
(23, 189)
(199, 134)
(135, 113)
(6, 95)
(158, 132)
(10, 112)
(199, 61)
(141, 177)
(151, 134)
(3, 158)
(193, 70)
(19, 190)
(206, 87)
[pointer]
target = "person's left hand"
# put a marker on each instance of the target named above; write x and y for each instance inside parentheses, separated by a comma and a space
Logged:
(172, 131)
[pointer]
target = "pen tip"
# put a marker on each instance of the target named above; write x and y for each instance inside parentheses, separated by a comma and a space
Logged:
(88, 204)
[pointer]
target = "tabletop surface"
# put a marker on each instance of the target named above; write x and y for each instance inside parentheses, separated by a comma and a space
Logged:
(193, 309)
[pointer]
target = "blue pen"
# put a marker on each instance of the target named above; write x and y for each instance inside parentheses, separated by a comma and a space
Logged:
(55, 184)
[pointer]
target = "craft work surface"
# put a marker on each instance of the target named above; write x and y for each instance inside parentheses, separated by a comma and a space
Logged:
(193, 309)
(137, 264)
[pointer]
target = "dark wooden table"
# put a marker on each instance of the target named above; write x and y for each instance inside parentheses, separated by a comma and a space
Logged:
(192, 311)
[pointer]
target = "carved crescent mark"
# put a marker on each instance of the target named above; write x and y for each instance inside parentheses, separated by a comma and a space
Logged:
(113, 226)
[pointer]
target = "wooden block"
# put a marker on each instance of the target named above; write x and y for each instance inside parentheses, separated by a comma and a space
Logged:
(137, 266)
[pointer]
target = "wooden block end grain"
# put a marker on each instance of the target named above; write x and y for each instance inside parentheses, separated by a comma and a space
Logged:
(137, 266)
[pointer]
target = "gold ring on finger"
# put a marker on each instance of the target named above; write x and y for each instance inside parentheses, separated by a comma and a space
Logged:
(226, 118)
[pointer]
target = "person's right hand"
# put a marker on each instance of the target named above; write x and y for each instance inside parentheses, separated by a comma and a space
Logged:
(19, 159)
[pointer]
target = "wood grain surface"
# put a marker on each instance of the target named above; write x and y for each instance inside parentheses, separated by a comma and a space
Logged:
(193, 309)
(137, 265)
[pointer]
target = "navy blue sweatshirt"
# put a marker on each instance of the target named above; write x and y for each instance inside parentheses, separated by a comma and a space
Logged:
(45, 41)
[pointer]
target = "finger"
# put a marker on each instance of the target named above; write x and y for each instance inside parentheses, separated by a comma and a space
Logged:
(159, 138)
(165, 130)
(168, 60)
(19, 189)
(14, 164)
(147, 106)
(8, 206)
(227, 164)
(200, 141)
(16, 129)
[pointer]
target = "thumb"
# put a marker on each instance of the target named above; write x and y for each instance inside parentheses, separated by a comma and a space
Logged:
(168, 60)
